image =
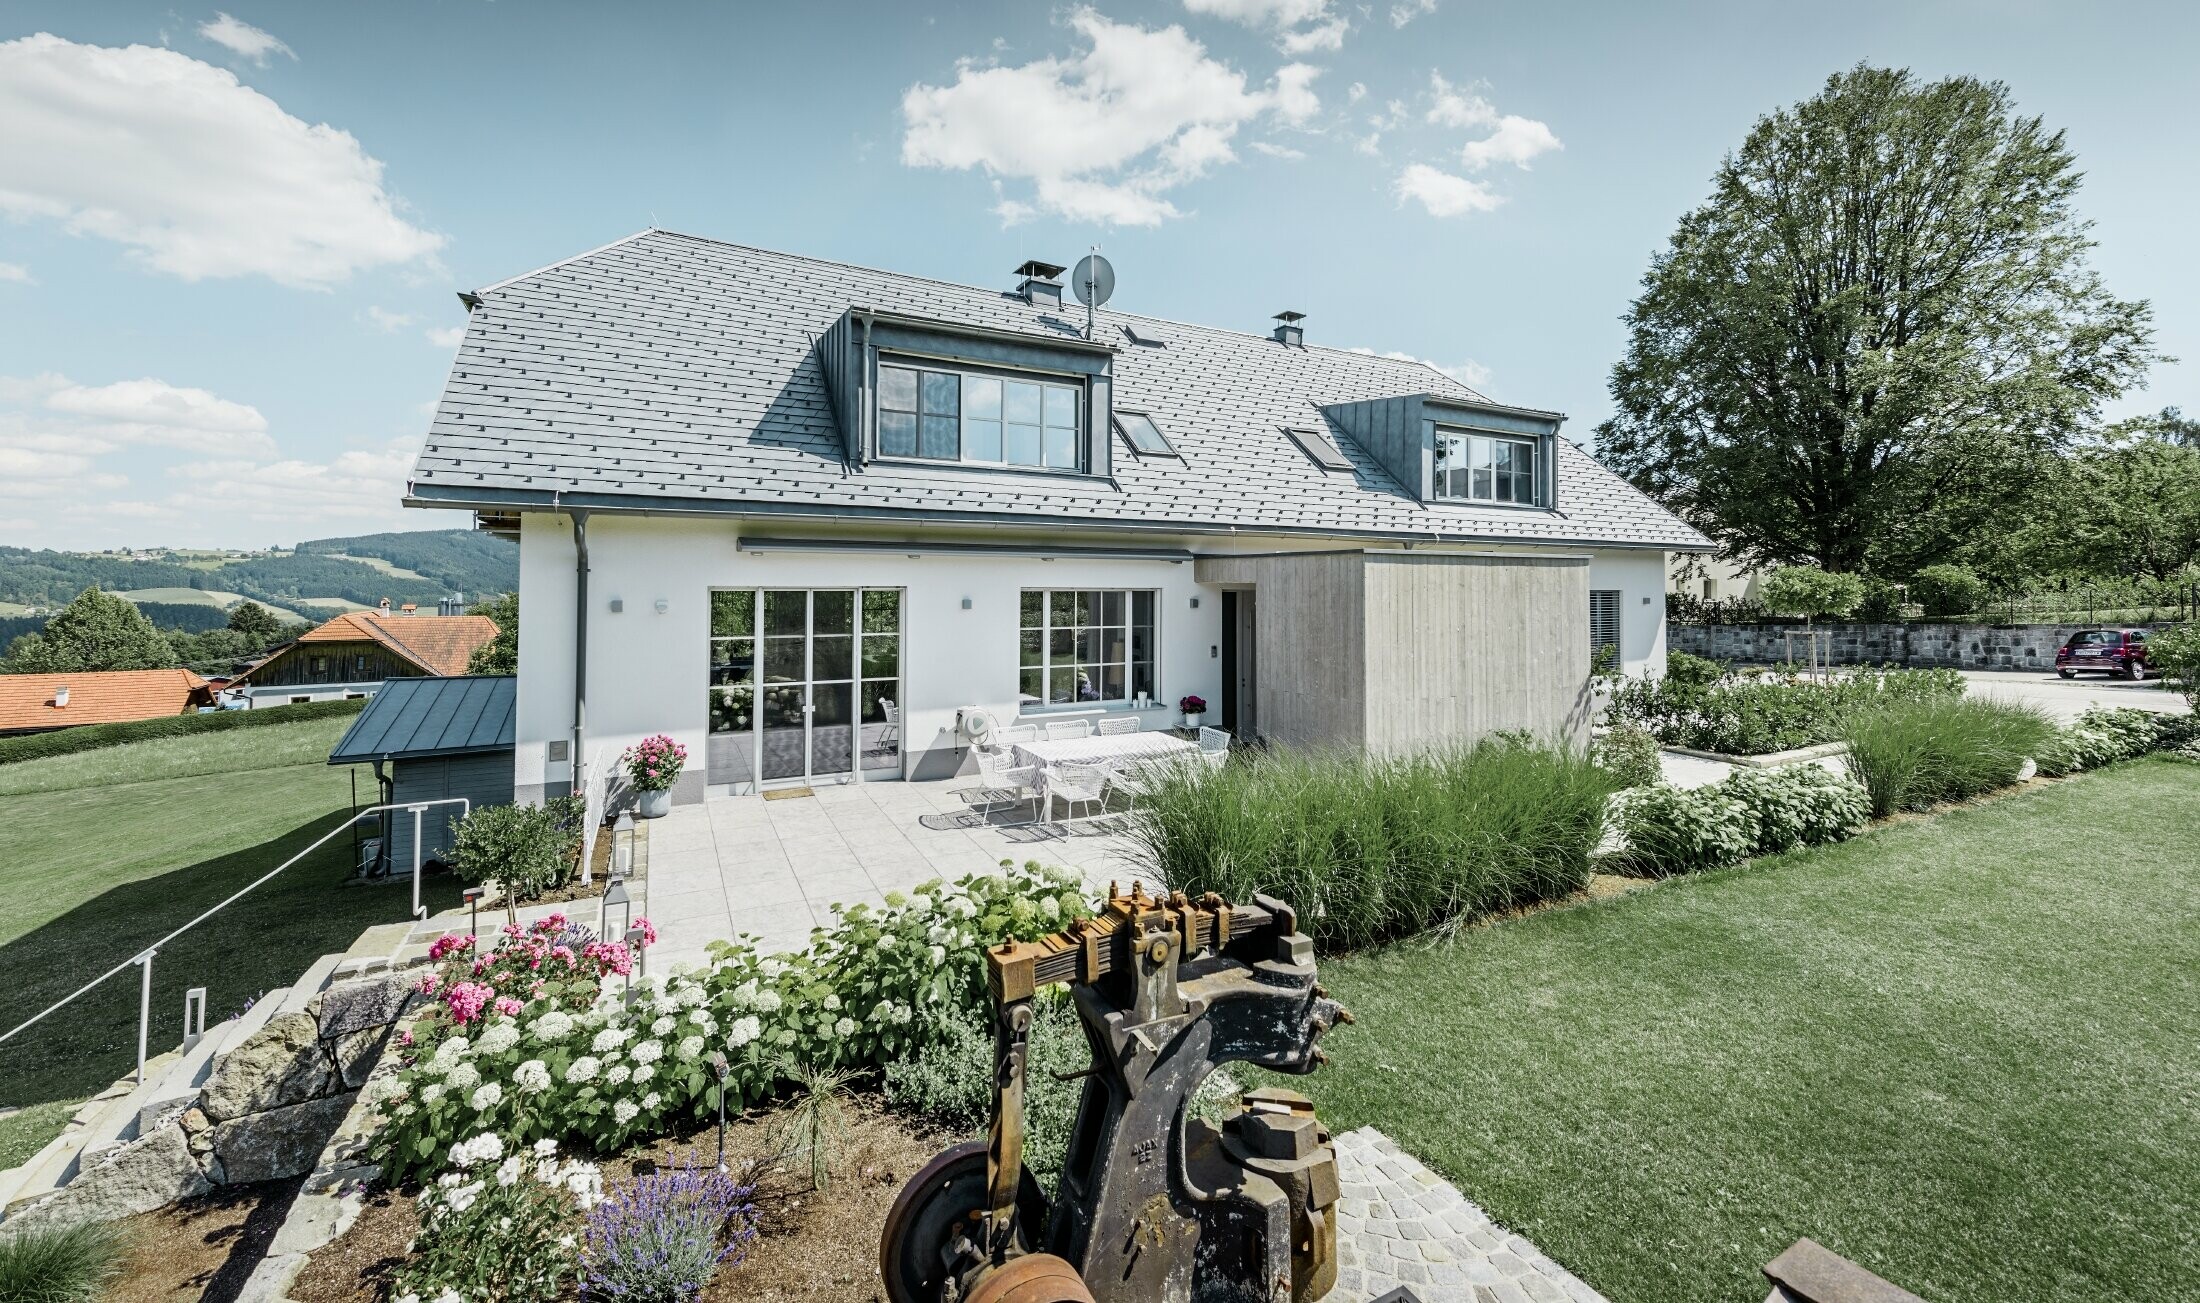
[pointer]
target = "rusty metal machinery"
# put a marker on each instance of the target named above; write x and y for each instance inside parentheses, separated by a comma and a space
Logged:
(1155, 1206)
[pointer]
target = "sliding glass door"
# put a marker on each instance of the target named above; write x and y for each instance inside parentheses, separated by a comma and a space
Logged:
(805, 686)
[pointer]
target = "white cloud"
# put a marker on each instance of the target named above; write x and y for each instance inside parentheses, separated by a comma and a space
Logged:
(198, 174)
(16, 272)
(1406, 12)
(1322, 36)
(1443, 194)
(243, 39)
(389, 321)
(1356, 92)
(355, 485)
(1101, 136)
(1512, 139)
(150, 412)
(1273, 150)
(1470, 373)
(1516, 141)
(446, 337)
(1300, 26)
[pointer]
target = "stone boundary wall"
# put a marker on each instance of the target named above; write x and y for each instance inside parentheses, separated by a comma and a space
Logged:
(1955, 646)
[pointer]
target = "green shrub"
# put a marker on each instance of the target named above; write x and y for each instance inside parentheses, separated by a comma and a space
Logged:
(1685, 671)
(1882, 602)
(1948, 590)
(1797, 805)
(2103, 736)
(949, 1082)
(1672, 830)
(1809, 591)
(498, 1225)
(2175, 653)
(1912, 755)
(91, 737)
(1759, 714)
(70, 1264)
(1372, 849)
(530, 850)
(1630, 755)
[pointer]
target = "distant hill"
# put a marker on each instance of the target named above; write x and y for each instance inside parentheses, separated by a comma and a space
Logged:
(422, 568)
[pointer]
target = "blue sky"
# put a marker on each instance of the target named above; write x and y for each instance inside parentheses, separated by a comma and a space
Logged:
(228, 255)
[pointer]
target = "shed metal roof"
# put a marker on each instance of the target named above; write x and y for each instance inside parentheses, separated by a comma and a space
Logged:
(413, 718)
(670, 373)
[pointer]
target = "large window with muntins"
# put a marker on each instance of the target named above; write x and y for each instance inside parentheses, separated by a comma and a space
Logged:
(940, 414)
(804, 684)
(1086, 645)
(1485, 468)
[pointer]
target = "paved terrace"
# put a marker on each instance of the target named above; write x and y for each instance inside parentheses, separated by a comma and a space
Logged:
(773, 868)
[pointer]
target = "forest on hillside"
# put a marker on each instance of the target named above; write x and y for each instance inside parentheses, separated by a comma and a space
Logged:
(452, 561)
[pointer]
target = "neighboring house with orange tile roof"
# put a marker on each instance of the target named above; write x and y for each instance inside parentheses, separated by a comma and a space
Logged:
(353, 654)
(40, 703)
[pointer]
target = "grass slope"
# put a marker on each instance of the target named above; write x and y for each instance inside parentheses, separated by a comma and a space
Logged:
(1960, 1051)
(108, 850)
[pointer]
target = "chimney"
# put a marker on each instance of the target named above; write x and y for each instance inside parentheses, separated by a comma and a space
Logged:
(1038, 284)
(1289, 332)
(384, 608)
(61, 696)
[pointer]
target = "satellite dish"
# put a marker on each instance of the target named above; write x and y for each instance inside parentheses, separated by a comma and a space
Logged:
(1094, 280)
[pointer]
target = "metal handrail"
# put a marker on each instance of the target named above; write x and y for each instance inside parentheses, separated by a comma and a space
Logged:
(145, 956)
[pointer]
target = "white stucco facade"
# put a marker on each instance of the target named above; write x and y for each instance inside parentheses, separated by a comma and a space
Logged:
(649, 669)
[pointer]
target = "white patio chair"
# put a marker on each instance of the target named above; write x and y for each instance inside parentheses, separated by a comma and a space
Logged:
(1003, 774)
(1015, 733)
(1077, 785)
(892, 731)
(1063, 730)
(1134, 778)
(1119, 726)
(1213, 740)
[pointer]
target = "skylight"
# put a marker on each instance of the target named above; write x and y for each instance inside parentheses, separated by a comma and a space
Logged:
(1144, 341)
(1144, 437)
(1318, 445)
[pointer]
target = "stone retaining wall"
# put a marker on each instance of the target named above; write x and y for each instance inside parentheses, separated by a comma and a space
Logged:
(1957, 646)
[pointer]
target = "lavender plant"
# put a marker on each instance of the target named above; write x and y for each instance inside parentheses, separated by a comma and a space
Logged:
(658, 1241)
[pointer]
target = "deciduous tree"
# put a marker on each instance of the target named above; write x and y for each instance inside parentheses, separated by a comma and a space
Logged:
(97, 631)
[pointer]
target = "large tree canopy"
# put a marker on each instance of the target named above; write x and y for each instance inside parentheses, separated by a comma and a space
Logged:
(97, 631)
(1855, 353)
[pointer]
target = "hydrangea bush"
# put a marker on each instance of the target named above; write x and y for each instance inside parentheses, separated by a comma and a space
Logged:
(2101, 736)
(1798, 805)
(1750, 812)
(872, 988)
(552, 961)
(496, 1225)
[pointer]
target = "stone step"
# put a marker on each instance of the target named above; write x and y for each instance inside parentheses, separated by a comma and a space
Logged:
(374, 949)
(105, 1120)
(314, 981)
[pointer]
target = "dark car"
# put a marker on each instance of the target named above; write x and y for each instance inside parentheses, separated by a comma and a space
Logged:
(2104, 651)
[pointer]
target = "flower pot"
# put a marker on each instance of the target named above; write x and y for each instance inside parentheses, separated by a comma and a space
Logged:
(1191, 720)
(653, 804)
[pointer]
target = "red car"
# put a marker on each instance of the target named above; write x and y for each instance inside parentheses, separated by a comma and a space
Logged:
(2108, 651)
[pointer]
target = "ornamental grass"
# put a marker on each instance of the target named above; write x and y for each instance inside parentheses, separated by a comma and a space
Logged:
(1913, 755)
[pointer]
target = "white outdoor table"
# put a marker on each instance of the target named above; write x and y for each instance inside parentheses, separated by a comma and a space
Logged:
(1105, 750)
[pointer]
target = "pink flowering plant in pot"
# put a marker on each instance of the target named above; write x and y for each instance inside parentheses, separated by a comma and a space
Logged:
(653, 765)
(1193, 705)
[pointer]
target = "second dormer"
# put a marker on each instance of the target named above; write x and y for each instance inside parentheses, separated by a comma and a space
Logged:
(1451, 451)
(911, 391)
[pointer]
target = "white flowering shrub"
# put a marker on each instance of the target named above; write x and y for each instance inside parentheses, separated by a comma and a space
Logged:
(1682, 829)
(1798, 805)
(497, 1226)
(2101, 736)
(871, 989)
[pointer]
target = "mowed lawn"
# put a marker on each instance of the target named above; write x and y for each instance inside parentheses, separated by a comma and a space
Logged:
(105, 851)
(1964, 1051)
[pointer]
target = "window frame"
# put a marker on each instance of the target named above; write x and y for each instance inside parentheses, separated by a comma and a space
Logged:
(1167, 448)
(1618, 620)
(1131, 662)
(1467, 434)
(1077, 386)
(1320, 447)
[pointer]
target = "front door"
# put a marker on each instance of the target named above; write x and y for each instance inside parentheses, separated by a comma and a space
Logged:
(816, 684)
(1238, 664)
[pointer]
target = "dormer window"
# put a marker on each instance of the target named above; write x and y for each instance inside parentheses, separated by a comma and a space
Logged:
(988, 418)
(1484, 468)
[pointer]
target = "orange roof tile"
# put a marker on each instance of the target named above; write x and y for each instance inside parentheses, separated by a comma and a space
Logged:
(440, 644)
(28, 701)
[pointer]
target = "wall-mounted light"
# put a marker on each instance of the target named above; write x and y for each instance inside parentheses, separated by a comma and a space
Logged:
(966, 603)
(618, 604)
(663, 606)
(1195, 603)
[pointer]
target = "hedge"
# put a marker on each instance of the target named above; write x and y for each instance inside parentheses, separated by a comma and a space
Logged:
(91, 737)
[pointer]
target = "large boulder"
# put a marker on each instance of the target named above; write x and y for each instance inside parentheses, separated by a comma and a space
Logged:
(147, 1173)
(281, 1064)
(368, 1002)
(279, 1142)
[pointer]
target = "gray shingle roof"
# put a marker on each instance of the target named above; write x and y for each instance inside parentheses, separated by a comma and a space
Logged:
(671, 372)
(461, 715)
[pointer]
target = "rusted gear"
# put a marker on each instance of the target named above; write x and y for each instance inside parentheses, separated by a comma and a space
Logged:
(938, 1205)
(1033, 1278)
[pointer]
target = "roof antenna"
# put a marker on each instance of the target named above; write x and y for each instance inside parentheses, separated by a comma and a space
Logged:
(1094, 281)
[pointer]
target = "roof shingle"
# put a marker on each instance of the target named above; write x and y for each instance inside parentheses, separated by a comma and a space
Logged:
(28, 701)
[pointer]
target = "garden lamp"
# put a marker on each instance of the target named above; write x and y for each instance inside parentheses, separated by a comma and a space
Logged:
(718, 1067)
(615, 896)
(622, 845)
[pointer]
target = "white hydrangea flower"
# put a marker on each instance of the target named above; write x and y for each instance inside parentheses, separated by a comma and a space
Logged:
(1050, 907)
(937, 934)
(583, 1068)
(451, 1050)
(772, 968)
(501, 1036)
(508, 1171)
(488, 1097)
(644, 1073)
(546, 1148)
(532, 1077)
(938, 955)
(609, 1039)
(744, 995)
(617, 1074)
(652, 1100)
(745, 1030)
(555, 1025)
(691, 994)
(845, 1027)
(832, 1002)
(701, 1017)
(649, 1051)
(487, 1147)
(624, 1111)
(662, 1025)
(691, 1048)
(886, 941)
(768, 1002)
(431, 1092)
(463, 1077)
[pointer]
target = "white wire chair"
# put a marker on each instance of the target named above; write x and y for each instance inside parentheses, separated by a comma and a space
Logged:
(1212, 740)
(1003, 774)
(1077, 785)
(1063, 730)
(1119, 725)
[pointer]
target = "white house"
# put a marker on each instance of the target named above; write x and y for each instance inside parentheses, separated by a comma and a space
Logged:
(811, 520)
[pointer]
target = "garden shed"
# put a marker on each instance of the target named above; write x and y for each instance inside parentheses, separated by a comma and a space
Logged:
(429, 739)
